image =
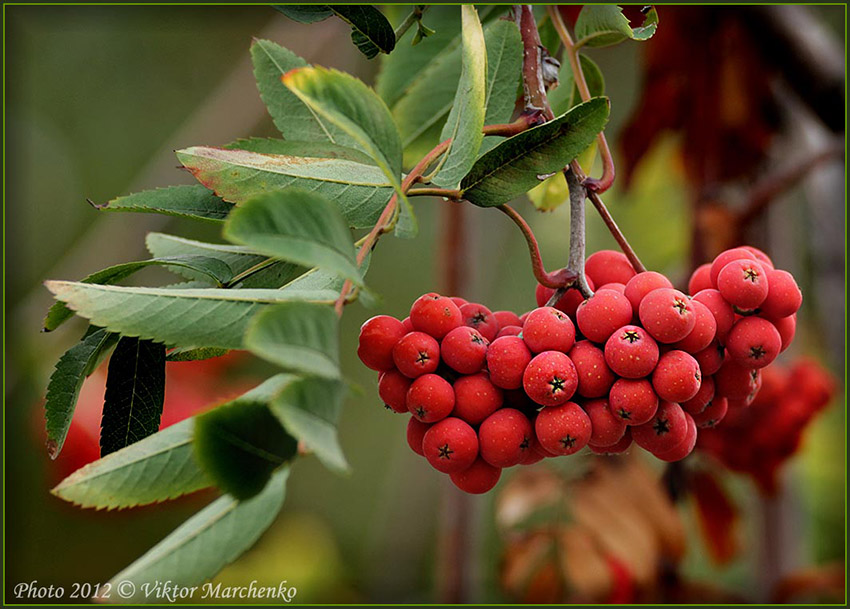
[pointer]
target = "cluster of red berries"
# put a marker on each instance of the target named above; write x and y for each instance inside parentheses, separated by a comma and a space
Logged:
(759, 439)
(637, 361)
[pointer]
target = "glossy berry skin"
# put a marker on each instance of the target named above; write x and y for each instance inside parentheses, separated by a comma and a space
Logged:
(507, 359)
(631, 353)
(481, 318)
(642, 284)
(705, 330)
(677, 377)
(407, 325)
(392, 389)
(711, 358)
(478, 478)
(603, 313)
(633, 401)
(784, 297)
(507, 318)
(702, 399)
(724, 315)
(617, 287)
(416, 354)
(712, 414)
(724, 258)
(476, 398)
(464, 349)
(667, 315)
(505, 437)
(450, 446)
(430, 398)
(435, 315)
(743, 283)
(415, 433)
(607, 429)
(664, 431)
(685, 447)
(378, 336)
(608, 266)
(509, 331)
(753, 342)
(568, 303)
(594, 376)
(736, 382)
(563, 429)
(458, 301)
(548, 329)
(700, 279)
(787, 327)
(615, 449)
(550, 378)
(759, 255)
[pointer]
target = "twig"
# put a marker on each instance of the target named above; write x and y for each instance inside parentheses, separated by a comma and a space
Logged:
(447, 193)
(414, 16)
(577, 232)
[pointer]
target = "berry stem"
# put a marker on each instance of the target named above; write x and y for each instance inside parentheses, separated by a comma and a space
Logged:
(446, 193)
(608, 170)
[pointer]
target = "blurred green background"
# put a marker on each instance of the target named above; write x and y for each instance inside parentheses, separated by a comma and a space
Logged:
(97, 97)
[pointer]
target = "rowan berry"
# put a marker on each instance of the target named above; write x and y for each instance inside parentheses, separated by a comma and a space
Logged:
(505, 437)
(415, 432)
(603, 313)
(416, 354)
(563, 429)
(634, 401)
(392, 389)
(677, 377)
(594, 376)
(667, 314)
(724, 315)
(760, 256)
(550, 378)
(700, 279)
(464, 349)
(753, 342)
(568, 303)
(478, 478)
(450, 445)
(430, 398)
(724, 258)
(378, 336)
(705, 330)
(783, 295)
(548, 329)
(642, 284)
(608, 266)
(407, 325)
(507, 359)
(607, 429)
(476, 398)
(458, 301)
(743, 283)
(631, 353)
(435, 315)
(735, 381)
(712, 414)
(615, 449)
(787, 327)
(664, 430)
(683, 448)
(481, 318)
(617, 287)
(702, 399)
(509, 331)
(711, 358)
(507, 318)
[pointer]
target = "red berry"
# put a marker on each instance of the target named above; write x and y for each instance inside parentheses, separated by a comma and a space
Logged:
(631, 352)
(753, 342)
(507, 358)
(550, 378)
(743, 283)
(724, 258)
(685, 447)
(509, 331)
(667, 314)
(392, 388)
(450, 445)
(712, 414)
(783, 295)
(563, 429)
(642, 284)
(711, 358)
(430, 398)
(677, 377)
(724, 315)
(787, 327)
(700, 280)
(507, 318)
(464, 349)
(607, 429)
(481, 318)
(736, 382)
(415, 432)
(476, 398)
(705, 329)
(634, 401)
(663, 431)
(765, 260)
(478, 478)
(594, 376)
(608, 266)
(505, 437)
(548, 329)
(416, 354)
(601, 314)
(617, 287)
(378, 336)
(615, 449)
(435, 315)
(568, 303)
(702, 399)
(458, 301)
(407, 325)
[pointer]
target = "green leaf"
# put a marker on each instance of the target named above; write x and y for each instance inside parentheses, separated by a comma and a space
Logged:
(521, 162)
(66, 381)
(291, 116)
(200, 547)
(193, 201)
(360, 191)
(355, 108)
(202, 266)
(241, 443)
(504, 68)
(567, 95)
(602, 25)
(370, 30)
(298, 226)
(309, 409)
(466, 117)
(157, 468)
(185, 317)
(322, 150)
(194, 354)
(297, 336)
(135, 392)
(305, 13)
(238, 258)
